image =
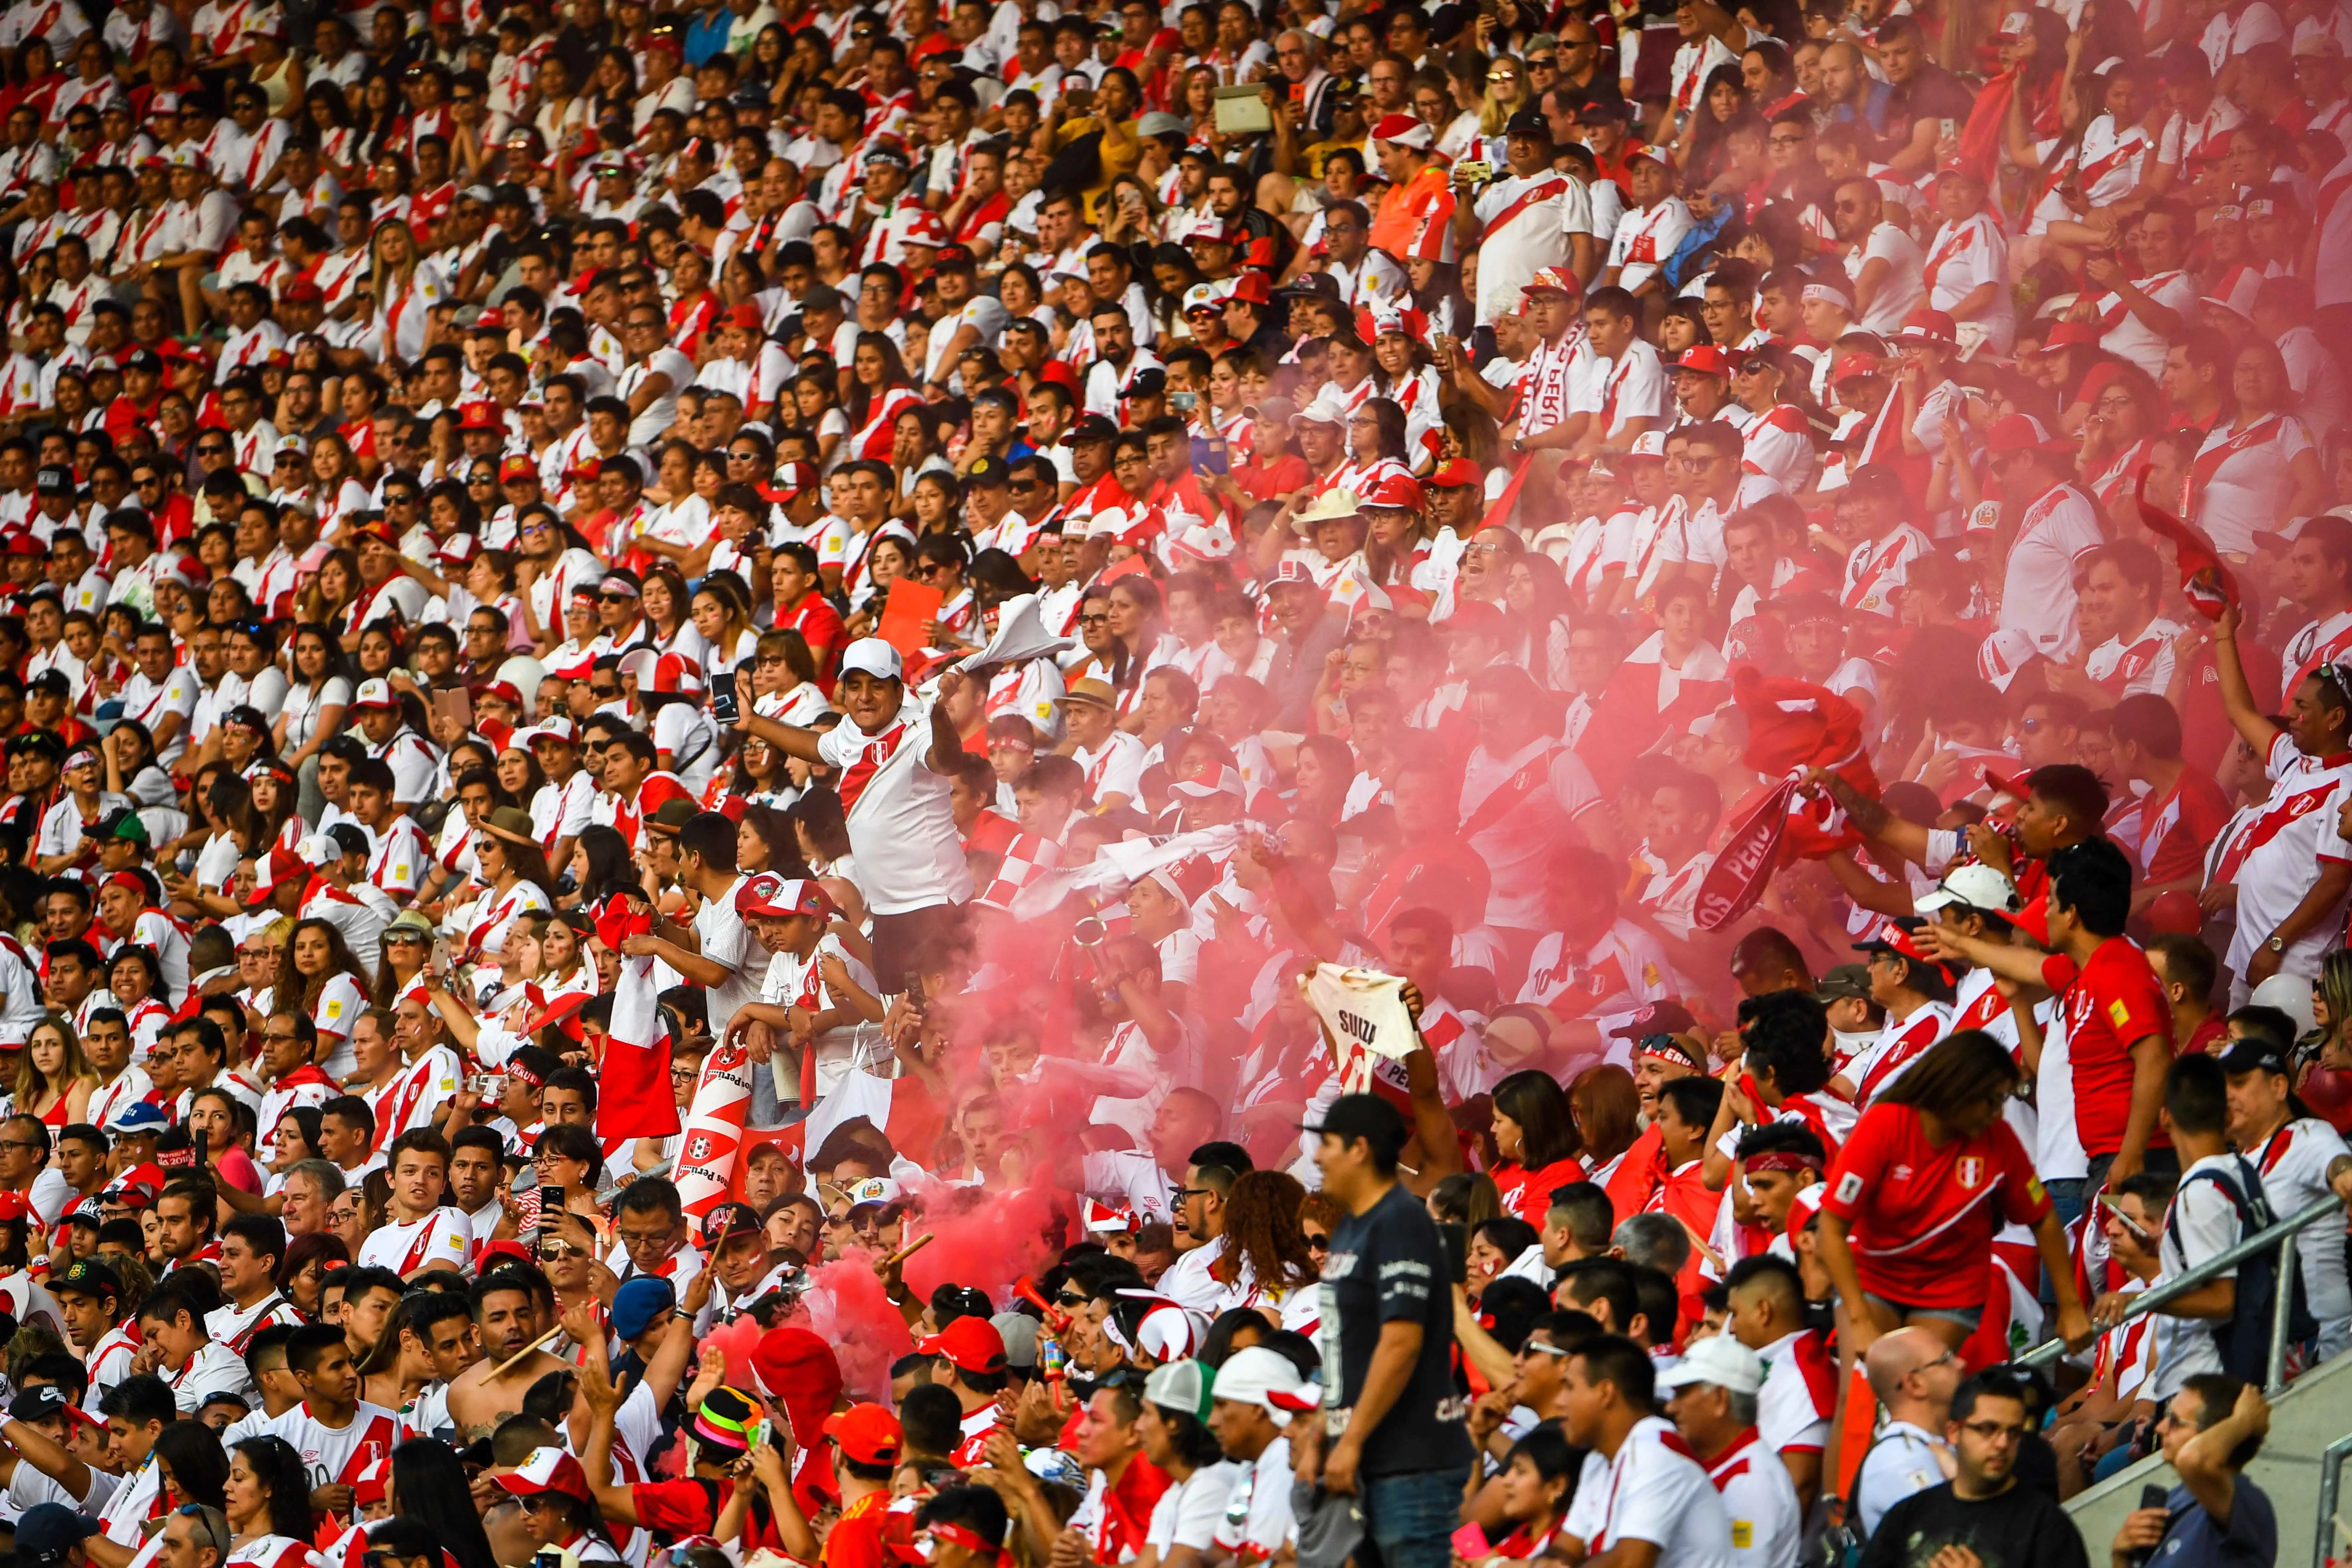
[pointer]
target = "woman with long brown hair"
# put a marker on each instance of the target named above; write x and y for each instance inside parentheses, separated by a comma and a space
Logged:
(1264, 1261)
(879, 392)
(54, 1080)
(318, 976)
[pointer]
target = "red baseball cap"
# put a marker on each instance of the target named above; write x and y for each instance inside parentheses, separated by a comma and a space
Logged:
(1707, 360)
(869, 1434)
(969, 1344)
(1393, 490)
(1455, 475)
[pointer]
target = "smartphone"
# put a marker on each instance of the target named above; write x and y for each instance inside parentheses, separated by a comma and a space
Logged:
(764, 1433)
(1949, 127)
(1457, 1252)
(454, 701)
(551, 1201)
(722, 698)
(487, 1086)
(2151, 1495)
(1209, 456)
(1475, 171)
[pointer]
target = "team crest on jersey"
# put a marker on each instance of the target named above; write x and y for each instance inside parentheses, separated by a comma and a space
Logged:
(1968, 1171)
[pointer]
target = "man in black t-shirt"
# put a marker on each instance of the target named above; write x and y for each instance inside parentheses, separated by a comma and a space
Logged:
(1399, 1442)
(1923, 95)
(1982, 1509)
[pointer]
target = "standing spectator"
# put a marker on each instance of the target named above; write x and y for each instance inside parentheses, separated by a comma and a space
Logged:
(1404, 1450)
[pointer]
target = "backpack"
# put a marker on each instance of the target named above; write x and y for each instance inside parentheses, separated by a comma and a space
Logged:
(2244, 1340)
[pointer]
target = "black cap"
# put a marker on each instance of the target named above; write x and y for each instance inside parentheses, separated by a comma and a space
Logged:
(1593, 109)
(1529, 122)
(48, 1532)
(39, 1404)
(728, 1220)
(54, 480)
(1310, 286)
(1093, 427)
(1668, 1017)
(2256, 1053)
(122, 822)
(988, 471)
(144, 359)
(1150, 381)
(1365, 1117)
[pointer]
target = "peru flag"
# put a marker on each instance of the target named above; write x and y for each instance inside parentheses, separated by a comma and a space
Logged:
(633, 1098)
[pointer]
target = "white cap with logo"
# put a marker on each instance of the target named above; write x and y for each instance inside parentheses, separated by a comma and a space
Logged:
(875, 657)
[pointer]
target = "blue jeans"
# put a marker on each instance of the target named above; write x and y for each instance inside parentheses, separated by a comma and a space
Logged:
(2066, 1198)
(1411, 1518)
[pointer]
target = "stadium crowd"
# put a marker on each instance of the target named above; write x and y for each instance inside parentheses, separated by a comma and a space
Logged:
(1188, 784)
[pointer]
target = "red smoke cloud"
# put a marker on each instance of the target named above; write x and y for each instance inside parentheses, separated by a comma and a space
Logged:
(846, 1307)
(736, 1341)
(1000, 1237)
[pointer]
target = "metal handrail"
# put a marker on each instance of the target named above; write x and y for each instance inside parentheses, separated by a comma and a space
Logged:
(2331, 1473)
(2280, 1235)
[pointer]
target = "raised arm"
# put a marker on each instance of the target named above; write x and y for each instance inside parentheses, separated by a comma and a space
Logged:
(2237, 695)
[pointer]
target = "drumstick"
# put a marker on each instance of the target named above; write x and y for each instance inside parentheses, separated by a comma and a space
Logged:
(910, 1250)
(511, 1362)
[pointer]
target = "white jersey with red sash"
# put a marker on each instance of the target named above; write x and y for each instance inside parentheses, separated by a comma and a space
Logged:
(444, 1235)
(235, 1326)
(332, 1456)
(418, 1089)
(109, 1363)
(1900, 1043)
(110, 1099)
(1613, 978)
(2144, 664)
(1876, 568)
(2323, 642)
(971, 1443)
(2219, 449)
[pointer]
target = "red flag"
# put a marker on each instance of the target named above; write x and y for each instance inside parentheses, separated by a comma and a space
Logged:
(1736, 881)
(1499, 513)
(1792, 725)
(633, 1095)
(2205, 577)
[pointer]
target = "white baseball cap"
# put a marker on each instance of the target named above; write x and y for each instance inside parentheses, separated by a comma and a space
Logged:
(873, 1189)
(1718, 1359)
(873, 657)
(1972, 886)
(1267, 1379)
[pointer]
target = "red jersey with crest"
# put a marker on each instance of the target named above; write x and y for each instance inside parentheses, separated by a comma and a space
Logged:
(1924, 1216)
